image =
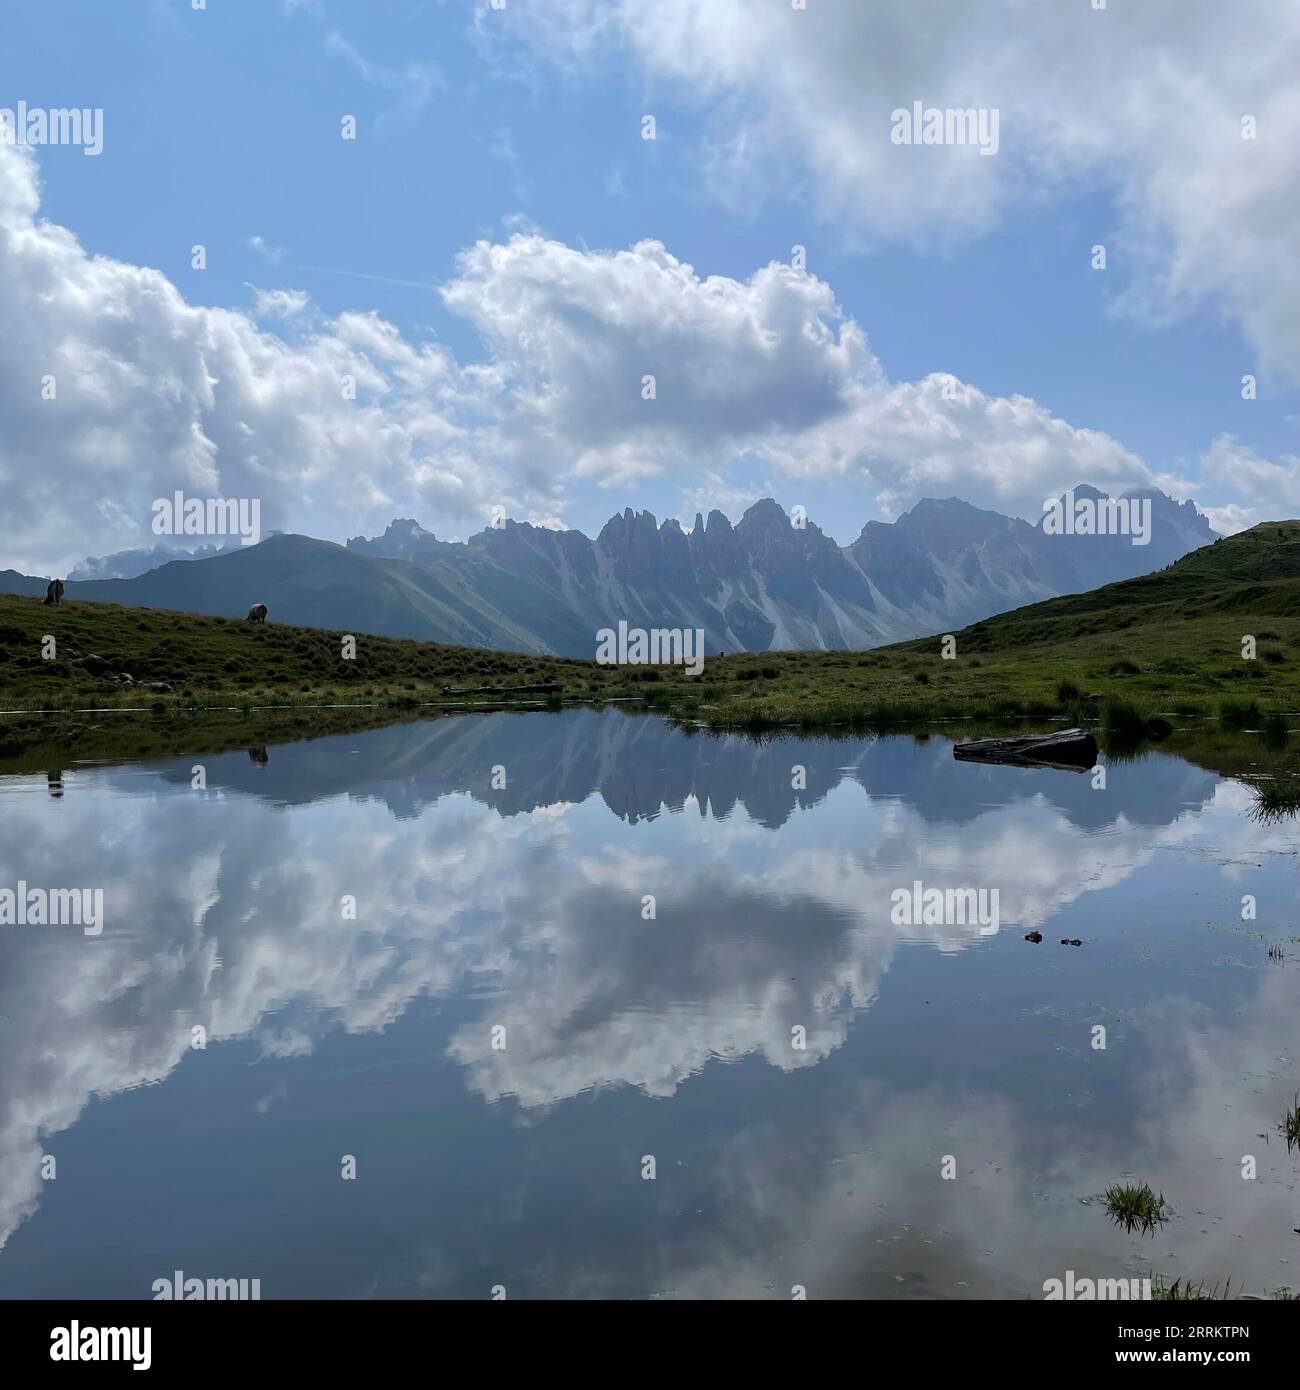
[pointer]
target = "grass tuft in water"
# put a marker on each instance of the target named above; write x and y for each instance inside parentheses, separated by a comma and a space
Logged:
(1275, 801)
(1239, 714)
(1289, 1129)
(1136, 1208)
(1184, 1291)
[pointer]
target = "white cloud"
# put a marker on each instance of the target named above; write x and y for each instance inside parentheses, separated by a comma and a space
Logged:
(769, 367)
(281, 304)
(1268, 491)
(1145, 101)
(154, 394)
(274, 254)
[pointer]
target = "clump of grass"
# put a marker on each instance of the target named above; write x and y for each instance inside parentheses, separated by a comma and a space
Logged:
(1181, 1291)
(1067, 692)
(1289, 1129)
(1275, 801)
(1276, 953)
(1120, 717)
(1126, 725)
(1136, 1208)
(1124, 668)
(1238, 714)
(1184, 1291)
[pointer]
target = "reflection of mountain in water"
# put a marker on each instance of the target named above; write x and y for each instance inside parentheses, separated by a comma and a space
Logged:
(642, 766)
(225, 910)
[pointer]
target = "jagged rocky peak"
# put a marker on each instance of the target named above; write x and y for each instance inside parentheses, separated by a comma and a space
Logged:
(403, 536)
(949, 524)
(764, 515)
(626, 526)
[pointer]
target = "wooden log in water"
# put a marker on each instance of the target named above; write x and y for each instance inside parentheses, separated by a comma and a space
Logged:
(1072, 750)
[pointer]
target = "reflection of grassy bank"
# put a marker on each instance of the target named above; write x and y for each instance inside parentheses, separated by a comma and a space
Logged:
(38, 742)
(42, 744)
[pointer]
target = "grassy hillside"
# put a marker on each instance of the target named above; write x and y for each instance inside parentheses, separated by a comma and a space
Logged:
(1255, 575)
(1165, 645)
(309, 582)
(192, 657)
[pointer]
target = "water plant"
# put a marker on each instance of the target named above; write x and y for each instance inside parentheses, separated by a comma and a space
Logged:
(1290, 1126)
(1239, 714)
(1136, 1207)
(1275, 801)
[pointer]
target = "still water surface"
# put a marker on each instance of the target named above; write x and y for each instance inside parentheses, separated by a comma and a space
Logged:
(522, 908)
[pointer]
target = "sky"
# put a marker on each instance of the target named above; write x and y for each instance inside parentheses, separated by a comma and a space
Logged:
(455, 313)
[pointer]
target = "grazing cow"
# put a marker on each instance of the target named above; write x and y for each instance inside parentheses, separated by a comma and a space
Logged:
(257, 613)
(54, 592)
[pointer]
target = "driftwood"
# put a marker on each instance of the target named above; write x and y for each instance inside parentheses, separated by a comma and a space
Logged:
(1071, 750)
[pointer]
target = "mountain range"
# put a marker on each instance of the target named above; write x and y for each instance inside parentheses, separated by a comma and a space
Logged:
(763, 584)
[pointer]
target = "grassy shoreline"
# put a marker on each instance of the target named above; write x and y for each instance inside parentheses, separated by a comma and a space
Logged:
(1146, 670)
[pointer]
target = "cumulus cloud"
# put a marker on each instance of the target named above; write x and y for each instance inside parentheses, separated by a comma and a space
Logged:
(344, 421)
(281, 304)
(1268, 490)
(151, 393)
(769, 367)
(1146, 101)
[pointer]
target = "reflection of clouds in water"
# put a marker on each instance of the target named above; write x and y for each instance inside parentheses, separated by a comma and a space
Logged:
(859, 1209)
(781, 933)
(257, 890)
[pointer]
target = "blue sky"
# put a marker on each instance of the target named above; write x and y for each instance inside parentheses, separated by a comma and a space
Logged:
(222, 128)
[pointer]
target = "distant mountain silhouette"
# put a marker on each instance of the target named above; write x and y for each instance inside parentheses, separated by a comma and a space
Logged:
(762, 584)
